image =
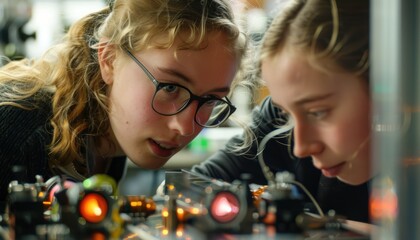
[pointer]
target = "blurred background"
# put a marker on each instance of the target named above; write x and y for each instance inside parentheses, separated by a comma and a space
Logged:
(29, 27)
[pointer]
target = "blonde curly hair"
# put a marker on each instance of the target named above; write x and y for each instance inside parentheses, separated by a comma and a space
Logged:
(69, 72)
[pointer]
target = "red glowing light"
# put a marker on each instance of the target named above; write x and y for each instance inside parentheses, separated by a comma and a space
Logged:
(224, 207)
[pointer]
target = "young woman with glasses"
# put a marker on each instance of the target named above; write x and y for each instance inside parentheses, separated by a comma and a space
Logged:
(138, 80)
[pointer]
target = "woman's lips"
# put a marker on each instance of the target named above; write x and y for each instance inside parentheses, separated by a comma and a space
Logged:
(160, 149)
(333, 171)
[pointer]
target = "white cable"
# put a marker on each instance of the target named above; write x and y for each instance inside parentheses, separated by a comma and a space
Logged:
(267, 172)
(318, 208)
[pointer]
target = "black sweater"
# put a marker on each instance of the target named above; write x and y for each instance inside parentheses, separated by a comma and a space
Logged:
(347, 200)
(24, 141)
(25, 135)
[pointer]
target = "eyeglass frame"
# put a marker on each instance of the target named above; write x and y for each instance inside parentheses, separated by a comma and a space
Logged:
(201, 100)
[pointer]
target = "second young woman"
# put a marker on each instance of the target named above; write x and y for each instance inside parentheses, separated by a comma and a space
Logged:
(315, 63)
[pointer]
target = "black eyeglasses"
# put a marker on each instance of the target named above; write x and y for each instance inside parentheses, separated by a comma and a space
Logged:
(170, 99)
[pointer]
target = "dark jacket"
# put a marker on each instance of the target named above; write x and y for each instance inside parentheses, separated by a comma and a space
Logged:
(24, 141)
(347, 200)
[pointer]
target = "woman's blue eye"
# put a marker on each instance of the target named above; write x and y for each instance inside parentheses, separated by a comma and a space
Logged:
(170, 88)
(318, 114)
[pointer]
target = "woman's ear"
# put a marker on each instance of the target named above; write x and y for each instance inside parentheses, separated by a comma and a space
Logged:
(106, 57)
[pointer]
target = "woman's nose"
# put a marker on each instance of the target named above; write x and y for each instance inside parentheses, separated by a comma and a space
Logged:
(184, 122)
(305, 141)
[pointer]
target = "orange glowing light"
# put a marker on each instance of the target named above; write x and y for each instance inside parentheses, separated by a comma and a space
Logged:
(93, 207)
(97, 236)
(180, 211)
(384, 205)
(165, 213)
(136, 204)
(195, 210)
